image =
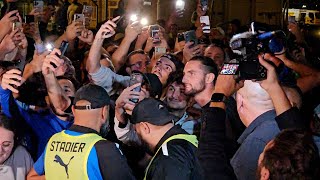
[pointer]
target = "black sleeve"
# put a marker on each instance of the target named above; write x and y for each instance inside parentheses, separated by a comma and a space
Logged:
(211, 152)
(170, 169)
(112, 163)
(290, 119)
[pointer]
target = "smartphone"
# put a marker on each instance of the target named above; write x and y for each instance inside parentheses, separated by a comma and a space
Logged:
(79, 18)
(180, 5)
(180, 37)
(87, 10)
(159, 51)
(206, 24)
(134, 79)
(63, 48)
(204, 5)
(154, 30)
(292, 19)
(16, 25)
(29, 19)
(229, 69)
(38, 5)
(190, 36)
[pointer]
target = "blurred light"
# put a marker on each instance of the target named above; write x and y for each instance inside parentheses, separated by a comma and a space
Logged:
(179, 3)
(144, 21)
(134, 17)
(49, 47)
(304, 6)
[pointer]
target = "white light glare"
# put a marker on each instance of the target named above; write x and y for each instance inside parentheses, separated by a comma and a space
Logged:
(179, 3)
(304, 6)
(134, 17)
(144, 21)
(49, 47)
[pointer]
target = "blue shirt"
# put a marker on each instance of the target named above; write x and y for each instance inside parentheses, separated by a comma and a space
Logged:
(44, 124)
(253, 140)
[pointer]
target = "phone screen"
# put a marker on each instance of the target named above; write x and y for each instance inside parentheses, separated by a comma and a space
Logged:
(229, 69)
(292, 19)
(154, 30)
(204, 20)
(134, 79)
(190, 36)
(38, 5)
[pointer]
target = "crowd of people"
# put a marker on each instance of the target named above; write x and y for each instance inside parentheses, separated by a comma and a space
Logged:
(120, 103)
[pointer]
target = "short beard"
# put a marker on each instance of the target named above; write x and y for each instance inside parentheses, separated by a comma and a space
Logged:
(194, 91)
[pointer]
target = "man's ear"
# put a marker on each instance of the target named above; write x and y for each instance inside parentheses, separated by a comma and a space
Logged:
(128, 70)
(264, 173)
(145, 128)
(105, 113)
(209, 78)
(72, 108)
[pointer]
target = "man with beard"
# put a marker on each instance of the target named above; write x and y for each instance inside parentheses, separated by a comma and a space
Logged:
(173, 150)
(200, 75)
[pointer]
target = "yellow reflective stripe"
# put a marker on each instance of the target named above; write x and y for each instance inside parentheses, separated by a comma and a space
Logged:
(190, 138)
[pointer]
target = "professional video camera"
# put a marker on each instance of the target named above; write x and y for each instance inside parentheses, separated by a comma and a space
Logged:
(249, 45)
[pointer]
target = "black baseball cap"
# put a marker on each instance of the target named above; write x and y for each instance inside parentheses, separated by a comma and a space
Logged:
(96, 95)
(152, 111)
(155, 85)
(179, 65)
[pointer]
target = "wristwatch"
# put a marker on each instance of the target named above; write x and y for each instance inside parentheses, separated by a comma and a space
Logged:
(218, 97)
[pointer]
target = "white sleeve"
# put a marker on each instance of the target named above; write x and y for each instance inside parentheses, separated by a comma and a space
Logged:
(105, 78)
(126, 135)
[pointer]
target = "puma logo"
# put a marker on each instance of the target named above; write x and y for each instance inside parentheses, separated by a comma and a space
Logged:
(59, 160)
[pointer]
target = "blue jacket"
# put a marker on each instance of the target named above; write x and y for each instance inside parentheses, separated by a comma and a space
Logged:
(253, 140)
(44, 124)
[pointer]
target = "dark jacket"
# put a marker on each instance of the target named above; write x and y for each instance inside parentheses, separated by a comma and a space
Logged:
(179, 163)
(212, 143)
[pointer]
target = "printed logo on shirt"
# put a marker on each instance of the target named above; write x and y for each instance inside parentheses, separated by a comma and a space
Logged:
(60, 161)
(67, 146)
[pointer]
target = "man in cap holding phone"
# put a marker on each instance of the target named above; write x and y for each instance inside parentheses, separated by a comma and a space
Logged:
(172, 148)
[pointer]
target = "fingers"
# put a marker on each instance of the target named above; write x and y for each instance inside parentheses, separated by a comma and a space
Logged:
(11, 78)
(265, 64)
(116, 18)
(11, 13)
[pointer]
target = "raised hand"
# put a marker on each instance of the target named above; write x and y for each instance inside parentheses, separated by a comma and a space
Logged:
(11, 79)
(107, 30)
(52, 62)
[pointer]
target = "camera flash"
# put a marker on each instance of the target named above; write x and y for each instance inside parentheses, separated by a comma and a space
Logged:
(179, 3)
(134, 17)
(49, 47)
(144, 21)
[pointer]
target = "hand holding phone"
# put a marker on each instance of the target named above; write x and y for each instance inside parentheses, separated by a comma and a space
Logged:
(155, 33)
(38, 5)
(134, 79)
(190, 36)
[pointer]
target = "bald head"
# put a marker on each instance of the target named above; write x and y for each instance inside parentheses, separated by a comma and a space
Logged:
(293, 96)
(252, 101)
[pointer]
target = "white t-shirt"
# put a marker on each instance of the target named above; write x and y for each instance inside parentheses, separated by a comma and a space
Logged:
(17, 166)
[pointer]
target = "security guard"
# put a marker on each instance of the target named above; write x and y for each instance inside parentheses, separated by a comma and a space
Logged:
(173, 149)
(80, 152)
